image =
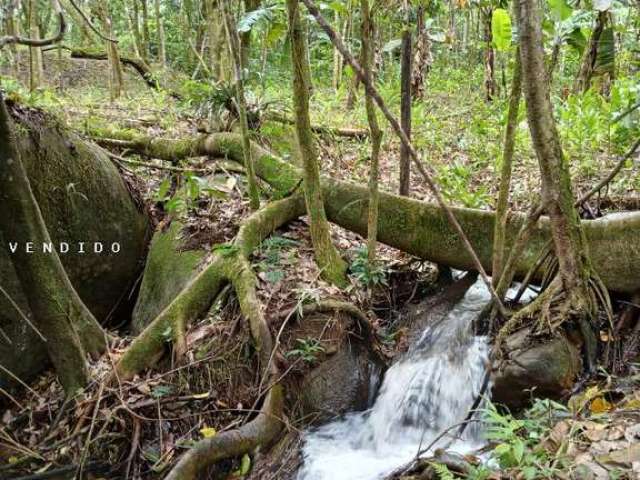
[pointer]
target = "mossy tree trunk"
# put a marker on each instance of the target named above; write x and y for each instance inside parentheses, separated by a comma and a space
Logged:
(413, 226)
(116, 81)
(405, 103)
(133, 20)
(13, 28)
(571, 284)
(146, 36)
(336, 77)
(333, 268)
(490, 86)
(64, 321)
(35, 54)
(421, 56)
(590, 56)
(376, 133)
(557, 196)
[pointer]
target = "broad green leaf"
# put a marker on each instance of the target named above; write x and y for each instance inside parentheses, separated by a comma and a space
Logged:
(339, 7)
(605, 60)
(163, 189)
(245, 464)
(247, 22)
(560, 9)
(501, 29)
(577, 40)
(518, 451)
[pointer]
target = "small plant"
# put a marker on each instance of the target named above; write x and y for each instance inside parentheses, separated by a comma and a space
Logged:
(307, 349)
(305, 296)
(272, 250)
(193, 190)
(518, 439)
(456, 186)
(366, 273)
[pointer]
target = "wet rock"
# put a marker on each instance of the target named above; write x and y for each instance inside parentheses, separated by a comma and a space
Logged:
(345, 382)
(83, 198)
(538, 368)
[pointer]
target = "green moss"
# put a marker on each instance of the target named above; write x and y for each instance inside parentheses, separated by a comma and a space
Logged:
(167, 271)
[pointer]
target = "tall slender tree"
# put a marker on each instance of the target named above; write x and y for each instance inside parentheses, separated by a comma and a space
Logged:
(570, 291)
(241, 104)
(332, 266)
(405, 101)
(374, 129)
(162, 48)
(146, 35)
(36, 72)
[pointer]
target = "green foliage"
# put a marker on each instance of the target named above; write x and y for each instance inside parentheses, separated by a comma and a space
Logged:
(560, 9)
(455, 181)
(443, 472)
(277, 252)
(518, 439)
(501, 29)
(307, 349)
(366, 273)
(193, 189)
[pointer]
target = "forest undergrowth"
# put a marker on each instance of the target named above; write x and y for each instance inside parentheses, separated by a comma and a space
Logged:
(146, 422)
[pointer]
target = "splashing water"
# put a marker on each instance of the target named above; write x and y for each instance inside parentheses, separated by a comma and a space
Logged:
(431, 388)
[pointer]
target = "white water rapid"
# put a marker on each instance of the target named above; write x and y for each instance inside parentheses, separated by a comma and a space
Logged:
(429, 389)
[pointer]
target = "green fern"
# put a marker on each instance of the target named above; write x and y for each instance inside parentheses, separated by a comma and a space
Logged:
(443, 471)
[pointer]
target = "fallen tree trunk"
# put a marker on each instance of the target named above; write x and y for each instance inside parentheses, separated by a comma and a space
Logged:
(83, 200)
(138, 65)
(356, 133)
(417, 227)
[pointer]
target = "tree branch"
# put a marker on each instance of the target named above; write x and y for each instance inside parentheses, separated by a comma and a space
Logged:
(36, 42)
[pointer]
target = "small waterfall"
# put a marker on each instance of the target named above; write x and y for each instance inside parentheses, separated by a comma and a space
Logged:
(429, 389)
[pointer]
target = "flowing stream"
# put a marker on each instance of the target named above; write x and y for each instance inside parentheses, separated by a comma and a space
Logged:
(429, 389)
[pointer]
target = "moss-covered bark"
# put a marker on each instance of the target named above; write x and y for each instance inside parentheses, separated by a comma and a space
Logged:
(332, 266)
(59, 314)
(82, 198)
(259, 432)
(230, 265)
(167, 271)
(198, 294)
(421, 228)
(376, 133)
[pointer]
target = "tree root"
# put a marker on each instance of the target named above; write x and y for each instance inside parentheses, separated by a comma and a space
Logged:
(229, 265)
(261, 431)
(413, 226)
(553, 307)
(334, 305)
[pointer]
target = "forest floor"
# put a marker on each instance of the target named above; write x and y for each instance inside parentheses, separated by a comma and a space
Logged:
(460, 137)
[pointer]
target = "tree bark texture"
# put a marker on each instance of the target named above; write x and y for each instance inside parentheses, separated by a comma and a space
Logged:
(81, 198)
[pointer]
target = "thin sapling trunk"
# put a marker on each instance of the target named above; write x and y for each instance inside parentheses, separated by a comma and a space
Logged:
(376, 133)
(234, 43)
(333, 267)
(405, 104)
(502, 206)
